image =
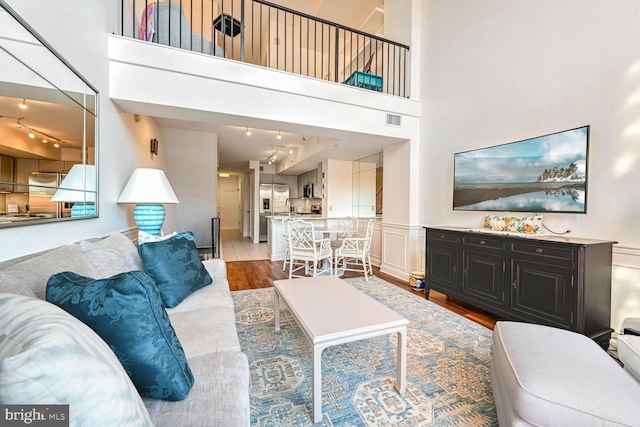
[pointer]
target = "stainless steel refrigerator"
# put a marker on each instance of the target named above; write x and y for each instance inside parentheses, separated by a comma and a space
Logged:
(273, 201)
(42, 187)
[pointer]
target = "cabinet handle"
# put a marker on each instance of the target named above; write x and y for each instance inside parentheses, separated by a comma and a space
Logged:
(454, 268)
(539, 250)
(482, 242)
(442, 236)
(514, 284)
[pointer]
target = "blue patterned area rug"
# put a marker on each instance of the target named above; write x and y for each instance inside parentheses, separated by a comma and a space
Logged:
(447, 367)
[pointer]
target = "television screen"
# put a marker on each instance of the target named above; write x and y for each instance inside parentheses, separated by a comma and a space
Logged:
(542, 174)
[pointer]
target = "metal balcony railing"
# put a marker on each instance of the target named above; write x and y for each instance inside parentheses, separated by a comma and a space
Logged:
(265, 34)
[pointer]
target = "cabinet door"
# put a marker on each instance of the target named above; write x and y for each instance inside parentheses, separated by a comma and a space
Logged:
(483, 276)
(442, 266)
(6, 173)
(542, 292)
(279, 179)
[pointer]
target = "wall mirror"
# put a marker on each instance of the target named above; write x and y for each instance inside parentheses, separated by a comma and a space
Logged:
(367, 186)
(48, 131)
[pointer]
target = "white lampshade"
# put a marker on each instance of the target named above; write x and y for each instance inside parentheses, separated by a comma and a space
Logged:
(148, 186)
(78, 186)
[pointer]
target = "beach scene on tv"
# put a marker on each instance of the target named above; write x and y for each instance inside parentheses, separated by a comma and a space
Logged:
(543, 174)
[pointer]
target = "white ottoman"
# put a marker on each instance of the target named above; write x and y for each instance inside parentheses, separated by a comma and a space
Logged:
(629, 348)
(545, 376)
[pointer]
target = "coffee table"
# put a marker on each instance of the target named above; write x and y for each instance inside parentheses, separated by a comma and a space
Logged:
(330, 312)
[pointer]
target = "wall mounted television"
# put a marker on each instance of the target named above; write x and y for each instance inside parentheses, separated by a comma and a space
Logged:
(543, 174)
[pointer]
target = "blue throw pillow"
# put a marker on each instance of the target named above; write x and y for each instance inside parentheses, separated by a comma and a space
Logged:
(175, 266)
(127, 313)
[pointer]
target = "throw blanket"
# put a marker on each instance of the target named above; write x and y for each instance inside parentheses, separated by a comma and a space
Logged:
(147, 24)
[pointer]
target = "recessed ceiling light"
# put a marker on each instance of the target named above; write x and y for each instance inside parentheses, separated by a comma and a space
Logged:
(32, 135)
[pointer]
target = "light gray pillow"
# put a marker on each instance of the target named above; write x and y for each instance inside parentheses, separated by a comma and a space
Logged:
(35, 272)
(48, 356)
(112, 255)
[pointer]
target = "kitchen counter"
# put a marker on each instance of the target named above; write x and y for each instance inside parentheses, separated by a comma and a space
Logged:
(275, 238)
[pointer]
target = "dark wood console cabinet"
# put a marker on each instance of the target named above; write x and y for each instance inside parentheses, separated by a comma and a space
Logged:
(550, 280)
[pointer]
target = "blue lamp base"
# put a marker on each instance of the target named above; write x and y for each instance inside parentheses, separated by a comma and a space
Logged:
(149, 217)
(83, 209)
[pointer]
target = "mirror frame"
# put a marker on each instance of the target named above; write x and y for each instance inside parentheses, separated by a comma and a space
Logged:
(86, 112)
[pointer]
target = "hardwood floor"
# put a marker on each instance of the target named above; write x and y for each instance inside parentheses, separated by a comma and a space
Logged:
(245, 275)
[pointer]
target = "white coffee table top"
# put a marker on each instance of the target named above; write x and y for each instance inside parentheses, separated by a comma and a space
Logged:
(328, 309)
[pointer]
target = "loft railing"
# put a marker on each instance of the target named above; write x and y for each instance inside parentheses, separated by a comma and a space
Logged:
(265, 34)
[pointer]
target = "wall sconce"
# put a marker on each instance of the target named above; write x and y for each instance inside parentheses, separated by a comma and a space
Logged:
(154, 146)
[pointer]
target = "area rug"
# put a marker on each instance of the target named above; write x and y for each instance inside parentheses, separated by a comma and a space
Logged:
(447, 367)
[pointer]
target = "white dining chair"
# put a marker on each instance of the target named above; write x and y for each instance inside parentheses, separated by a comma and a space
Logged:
(306, 248)
(285, 234)
(354, 254)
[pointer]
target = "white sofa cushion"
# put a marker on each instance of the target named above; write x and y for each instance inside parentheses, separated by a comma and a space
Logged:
(629, 354)
(211, 330)
(219, 398)
(112, 255)
(548, 376)
(217, 294)
(49, 357)
(35, 272)
(216, 267)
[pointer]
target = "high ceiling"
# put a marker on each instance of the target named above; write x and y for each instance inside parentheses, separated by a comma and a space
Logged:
(236, 148)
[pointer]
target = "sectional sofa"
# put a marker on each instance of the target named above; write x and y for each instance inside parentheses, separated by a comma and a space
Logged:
(48, 356)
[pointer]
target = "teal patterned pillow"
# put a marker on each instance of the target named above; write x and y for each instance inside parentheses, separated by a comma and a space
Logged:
(175, 266)
(127, 313)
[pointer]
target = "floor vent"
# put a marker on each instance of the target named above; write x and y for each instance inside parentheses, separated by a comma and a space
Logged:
(394, 120)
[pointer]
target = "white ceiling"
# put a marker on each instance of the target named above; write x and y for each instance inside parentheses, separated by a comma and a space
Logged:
(236, 148)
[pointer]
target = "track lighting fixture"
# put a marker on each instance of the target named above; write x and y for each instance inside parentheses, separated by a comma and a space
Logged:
(248, 132)
(279, 136)
(290, 150)
(23, 104)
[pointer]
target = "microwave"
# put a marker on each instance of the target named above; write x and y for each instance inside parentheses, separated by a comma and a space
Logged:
(307, 191)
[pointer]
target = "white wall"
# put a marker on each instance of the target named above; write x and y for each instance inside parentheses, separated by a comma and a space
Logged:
(122, 146)
(192, 172)
(505, 70)
(338, 188)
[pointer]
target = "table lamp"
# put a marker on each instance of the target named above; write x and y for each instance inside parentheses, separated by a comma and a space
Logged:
(79, 187)
(149, 189)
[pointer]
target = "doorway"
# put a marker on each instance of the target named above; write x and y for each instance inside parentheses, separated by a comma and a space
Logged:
(230, 203)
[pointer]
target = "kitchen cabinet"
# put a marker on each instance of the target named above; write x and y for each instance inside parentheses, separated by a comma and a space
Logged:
(292, 181)
(23, 168)
(58, 166)
(309, 178)
(268, 178)
(6, 174)
(550, 280)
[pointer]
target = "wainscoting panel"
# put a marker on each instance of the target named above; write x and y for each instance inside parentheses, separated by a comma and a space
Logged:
(625, 285)
(402, 249)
